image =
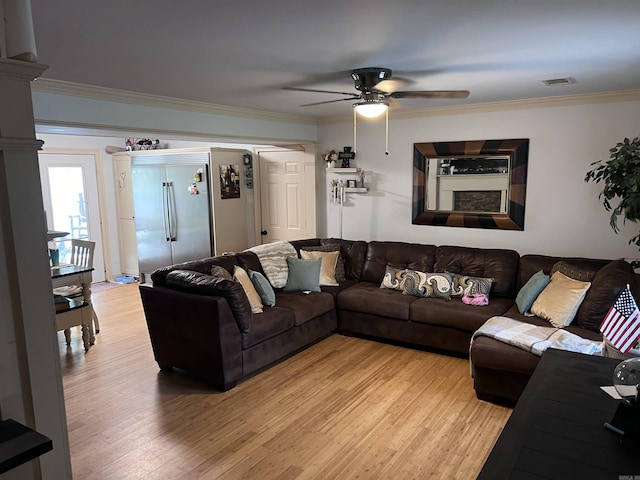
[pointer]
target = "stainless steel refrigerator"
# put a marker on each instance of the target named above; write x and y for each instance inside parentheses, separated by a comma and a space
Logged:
(172, 208)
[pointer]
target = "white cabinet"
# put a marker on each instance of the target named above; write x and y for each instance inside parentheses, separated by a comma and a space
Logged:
(126, 219)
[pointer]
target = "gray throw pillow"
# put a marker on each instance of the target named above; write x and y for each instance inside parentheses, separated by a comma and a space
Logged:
(303, 275)
(263, 287)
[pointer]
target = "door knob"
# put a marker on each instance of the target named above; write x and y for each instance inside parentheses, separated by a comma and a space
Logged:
(263, 232)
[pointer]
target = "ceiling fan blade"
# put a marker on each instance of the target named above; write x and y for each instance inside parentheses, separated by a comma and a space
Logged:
(298, 89)
(431, 94)
(331, 101)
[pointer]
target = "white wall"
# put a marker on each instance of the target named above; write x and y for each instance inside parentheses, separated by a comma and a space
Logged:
(563, 214)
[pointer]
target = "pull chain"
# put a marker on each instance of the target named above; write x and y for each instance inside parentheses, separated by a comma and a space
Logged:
(355, 131)
(386, 134)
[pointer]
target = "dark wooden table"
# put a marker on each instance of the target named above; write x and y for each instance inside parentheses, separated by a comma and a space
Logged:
(557, 429)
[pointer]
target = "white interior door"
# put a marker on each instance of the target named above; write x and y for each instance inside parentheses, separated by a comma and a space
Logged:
(286, 189)
(70, 195)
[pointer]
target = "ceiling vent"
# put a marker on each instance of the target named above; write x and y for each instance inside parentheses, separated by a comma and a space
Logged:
(559, 81)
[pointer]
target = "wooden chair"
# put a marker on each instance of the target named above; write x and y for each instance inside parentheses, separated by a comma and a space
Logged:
(81, 254)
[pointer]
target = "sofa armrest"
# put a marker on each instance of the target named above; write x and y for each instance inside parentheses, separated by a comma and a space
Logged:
(196, 333)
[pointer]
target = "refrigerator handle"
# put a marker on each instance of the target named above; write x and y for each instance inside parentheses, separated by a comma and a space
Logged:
(165, 209)
(171, 199)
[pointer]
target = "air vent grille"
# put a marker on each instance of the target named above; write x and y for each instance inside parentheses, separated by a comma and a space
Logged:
(559, 81)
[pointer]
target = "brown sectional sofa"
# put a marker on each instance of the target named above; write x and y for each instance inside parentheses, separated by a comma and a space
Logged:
(203, 324)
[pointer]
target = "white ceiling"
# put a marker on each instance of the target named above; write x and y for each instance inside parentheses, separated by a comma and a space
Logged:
(241, 53)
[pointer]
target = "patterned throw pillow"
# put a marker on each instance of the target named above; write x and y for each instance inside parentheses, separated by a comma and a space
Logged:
(421, 284)
(572, 271)
(393, 278)
(466, 285)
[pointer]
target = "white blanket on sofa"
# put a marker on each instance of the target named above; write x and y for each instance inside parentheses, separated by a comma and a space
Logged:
(536, 339)
(273, 259)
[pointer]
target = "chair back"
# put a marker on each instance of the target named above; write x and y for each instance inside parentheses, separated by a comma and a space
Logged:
(82, 252)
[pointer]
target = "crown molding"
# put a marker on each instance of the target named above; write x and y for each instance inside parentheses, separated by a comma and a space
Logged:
(530, 103)
(60, 87)
(76, 128)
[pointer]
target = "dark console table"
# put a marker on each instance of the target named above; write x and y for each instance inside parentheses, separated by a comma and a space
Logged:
(557, 429)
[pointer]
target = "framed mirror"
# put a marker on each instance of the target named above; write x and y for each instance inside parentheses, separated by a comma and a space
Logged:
(478, 184)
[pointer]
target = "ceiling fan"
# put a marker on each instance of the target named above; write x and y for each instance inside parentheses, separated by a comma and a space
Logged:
(372, 101)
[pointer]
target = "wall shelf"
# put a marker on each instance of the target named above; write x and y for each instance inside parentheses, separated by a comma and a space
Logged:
(356, 190)
(343, 170)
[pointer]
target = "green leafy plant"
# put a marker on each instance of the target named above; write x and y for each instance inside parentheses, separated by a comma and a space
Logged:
(621, 177)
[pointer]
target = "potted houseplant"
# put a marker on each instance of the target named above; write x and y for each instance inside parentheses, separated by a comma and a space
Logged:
(621, 177)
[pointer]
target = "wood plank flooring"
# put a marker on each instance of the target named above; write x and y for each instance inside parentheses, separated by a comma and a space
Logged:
(345, 408)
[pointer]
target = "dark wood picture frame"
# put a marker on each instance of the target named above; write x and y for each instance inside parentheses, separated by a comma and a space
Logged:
(518, 152)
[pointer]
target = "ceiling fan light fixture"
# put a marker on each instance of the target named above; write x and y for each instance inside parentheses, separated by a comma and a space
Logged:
(371, 109)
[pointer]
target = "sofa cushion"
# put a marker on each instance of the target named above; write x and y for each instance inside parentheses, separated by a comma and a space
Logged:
(328, 265)
(367, 297)
(248, 261)
(203, 284)
(339, 272)
(559, 301)
(353, 252)
(499, 264)
(305, 307)
(203, 265)
(605, 288)
(456, 314)
(304, 275)
(530, 264)
(272, 322)
(411, 256)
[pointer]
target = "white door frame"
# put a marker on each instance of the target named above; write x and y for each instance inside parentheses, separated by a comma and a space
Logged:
(104, 230)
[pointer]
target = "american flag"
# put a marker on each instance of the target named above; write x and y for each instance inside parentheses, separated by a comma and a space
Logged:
(621, 325)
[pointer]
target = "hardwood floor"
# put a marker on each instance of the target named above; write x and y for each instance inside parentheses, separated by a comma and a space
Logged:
(345, 408)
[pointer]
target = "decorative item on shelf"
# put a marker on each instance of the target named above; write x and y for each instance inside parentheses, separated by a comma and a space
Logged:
(620, 175)
(330, 159)
(361, 177)
(351, 184)
(346, 156)
(142, 144)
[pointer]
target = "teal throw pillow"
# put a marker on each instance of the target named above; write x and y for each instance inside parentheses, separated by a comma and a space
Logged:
(303, 275)
(263, 287)
(530, 291)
